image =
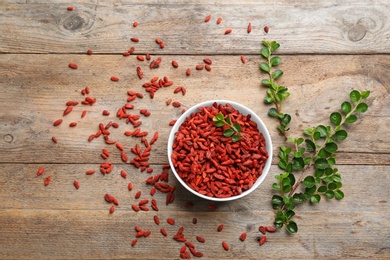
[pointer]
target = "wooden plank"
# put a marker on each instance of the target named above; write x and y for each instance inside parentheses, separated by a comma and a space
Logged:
(35, 94)
(93, 235)
(106, 26)
(21, 183)
(60, 222)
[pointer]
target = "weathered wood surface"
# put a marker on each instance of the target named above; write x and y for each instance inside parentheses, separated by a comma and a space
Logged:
(61, 222)
(42, 89)
(38, 40)
(106, 26)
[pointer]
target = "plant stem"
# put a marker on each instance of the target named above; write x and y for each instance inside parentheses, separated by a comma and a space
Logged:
(301, 177)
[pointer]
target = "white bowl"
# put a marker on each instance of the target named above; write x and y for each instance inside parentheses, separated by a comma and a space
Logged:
(244, 111)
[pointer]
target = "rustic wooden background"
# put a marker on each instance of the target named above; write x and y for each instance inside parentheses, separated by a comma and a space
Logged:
(328, 48)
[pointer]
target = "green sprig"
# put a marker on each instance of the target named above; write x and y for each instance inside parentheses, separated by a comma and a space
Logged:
(233, 131)
(276, 94)
(317, 152)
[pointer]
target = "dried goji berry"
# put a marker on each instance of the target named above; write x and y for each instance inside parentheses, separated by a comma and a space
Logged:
(40, 171)
(225, 246)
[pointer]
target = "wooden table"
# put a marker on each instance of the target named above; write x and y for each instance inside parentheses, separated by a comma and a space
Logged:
(328, 48)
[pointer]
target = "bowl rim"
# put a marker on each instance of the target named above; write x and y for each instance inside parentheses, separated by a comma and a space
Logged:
(243, 110)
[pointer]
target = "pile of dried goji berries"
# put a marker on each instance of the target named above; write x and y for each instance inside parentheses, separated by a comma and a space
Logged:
(212, 164)
(231, 182)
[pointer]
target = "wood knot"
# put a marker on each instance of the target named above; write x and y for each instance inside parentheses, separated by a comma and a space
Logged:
(357, 28)
(76, 22)
(73, 22)
(357, 32)
(8, 138)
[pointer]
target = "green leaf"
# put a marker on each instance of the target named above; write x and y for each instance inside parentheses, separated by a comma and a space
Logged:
(285, 95)
(332, 186)
(308, 181)
(322, 189)
(282, 165)
(266, 43)
(272, 112)
(362, 107)
(327, 179)
(290, 214)
(277, 74)
(290, 206)
(292, 179)
(321, 163)
(311, 147)
(228, 132)
(292, 227)
(299, 140)
(265, 52)
(274, 46)
(341, 135)
(279, 220)
(264, 66)
(335, 118)
(279, 225)
(297, 154)
(274, 86)
(282, 155)
(276, 186)
(328, 171)
(354, 95)
(336, 178)
(220, 116)
(219, 123)
(323, 153)
(299, 198)
(346, 107)
(286, 119)
(280, 214)
(331, 147)
(315, 198)
(331, 161)
(236, 138)
(309, 131)
(229, 120)
(276, 199)
(282, 129)
(269, 100)
(279, 97)
(287, 188)
(270, 92)
(237, 127)
(311, 190)
(286, 181)
(275, 61)
(329, 194)
(266, 82)
(307, 160)
(319, 172)
(298, 163)
(351, 119)
(365, 94)
(322, 130)
(339, 195)
(316, 136)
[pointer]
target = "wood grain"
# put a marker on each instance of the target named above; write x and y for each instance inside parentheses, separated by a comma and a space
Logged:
(106, 26)
(59, 216)
(42, 89)
(328, 48)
